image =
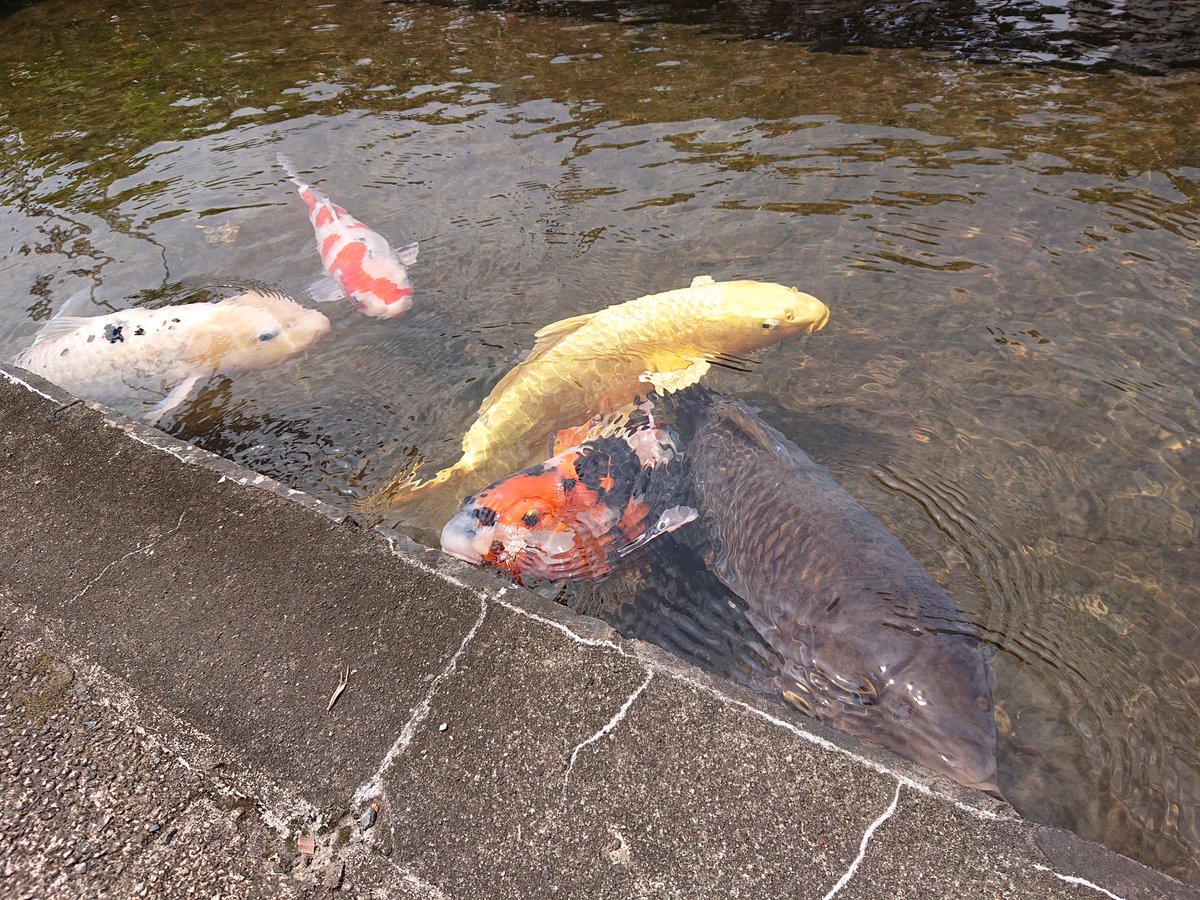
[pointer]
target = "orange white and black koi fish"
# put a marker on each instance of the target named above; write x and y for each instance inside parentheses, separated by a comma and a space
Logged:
(575, 515)
(365, 268)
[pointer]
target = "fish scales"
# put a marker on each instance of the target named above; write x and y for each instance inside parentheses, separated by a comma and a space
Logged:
(872, 645)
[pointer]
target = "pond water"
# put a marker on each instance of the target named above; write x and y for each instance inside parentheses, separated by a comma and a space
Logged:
(1010, 253)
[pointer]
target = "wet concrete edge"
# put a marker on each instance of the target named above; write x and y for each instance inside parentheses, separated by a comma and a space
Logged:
(1070, 860)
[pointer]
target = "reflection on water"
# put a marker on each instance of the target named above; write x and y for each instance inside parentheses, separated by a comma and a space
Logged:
(1148, 35)
(1009, 254)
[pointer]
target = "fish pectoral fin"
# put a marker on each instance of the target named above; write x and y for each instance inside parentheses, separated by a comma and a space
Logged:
(702, 280)
(77, 303)
(176, 396)
(671, 519)
(326, 290)
(676, 379)
(408, 253)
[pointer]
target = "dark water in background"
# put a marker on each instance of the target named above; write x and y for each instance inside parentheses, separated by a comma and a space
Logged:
(1011, 256)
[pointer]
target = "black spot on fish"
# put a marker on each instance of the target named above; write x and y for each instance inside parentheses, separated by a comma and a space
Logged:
(591, 465)
(139, 331)
(531, 518)
(638, 420)
(568, 485)
(112, 334)
(65, 351)
(485, 515)
(91, 337)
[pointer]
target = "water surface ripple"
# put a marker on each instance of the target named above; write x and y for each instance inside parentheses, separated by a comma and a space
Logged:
(1011, 256)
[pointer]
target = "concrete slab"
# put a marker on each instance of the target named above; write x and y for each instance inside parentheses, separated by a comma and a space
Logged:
(231, 606)
(488, 743)
(571, 769)
(92, 808)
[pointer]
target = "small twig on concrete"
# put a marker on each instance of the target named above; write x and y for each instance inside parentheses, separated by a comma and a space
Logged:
(58, 411)
(337, 691)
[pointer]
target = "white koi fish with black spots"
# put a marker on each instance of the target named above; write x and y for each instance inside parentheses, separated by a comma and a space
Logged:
(171, 349)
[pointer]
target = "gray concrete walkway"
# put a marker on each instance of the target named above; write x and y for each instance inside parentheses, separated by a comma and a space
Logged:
(174, 628)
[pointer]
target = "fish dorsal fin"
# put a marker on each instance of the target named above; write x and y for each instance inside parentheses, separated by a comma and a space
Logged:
(408, 253)
(556, 331)
(545, 339)
(744, 421)
(334, 212)
(59, 327)
(702, 280)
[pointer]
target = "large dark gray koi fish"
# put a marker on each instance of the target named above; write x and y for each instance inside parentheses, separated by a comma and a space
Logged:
(869, 643)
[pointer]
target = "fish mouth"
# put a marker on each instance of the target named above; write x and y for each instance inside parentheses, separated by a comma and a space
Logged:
(460, 537)
(809, 313)
(821, 322)
(978, 774)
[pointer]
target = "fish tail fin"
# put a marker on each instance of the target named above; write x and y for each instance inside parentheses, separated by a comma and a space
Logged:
(428, 503)
(302, 186)
(288, 166)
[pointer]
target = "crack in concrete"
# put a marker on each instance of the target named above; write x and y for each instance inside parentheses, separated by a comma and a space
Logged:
(373, 787)
(879, 767)
(609, 725)
(415, 881)
(1083, 882)
(862, 846)
(148, 548)
(763, 714)
(558, 626)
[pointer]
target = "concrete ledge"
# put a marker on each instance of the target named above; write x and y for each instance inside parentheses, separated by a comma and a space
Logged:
(182, 624)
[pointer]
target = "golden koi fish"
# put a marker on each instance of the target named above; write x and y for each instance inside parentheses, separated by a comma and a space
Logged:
(597, 362)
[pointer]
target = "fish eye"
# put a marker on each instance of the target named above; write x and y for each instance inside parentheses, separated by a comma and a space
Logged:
(791, 315)
(268, 335)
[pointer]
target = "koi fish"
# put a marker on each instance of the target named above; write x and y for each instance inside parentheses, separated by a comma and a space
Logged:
(867, 641)
(575, 515)
(113, 357)
(596, 362)
(361, 264)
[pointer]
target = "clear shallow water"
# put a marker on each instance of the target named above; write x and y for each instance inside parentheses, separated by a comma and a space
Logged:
(1011, 257)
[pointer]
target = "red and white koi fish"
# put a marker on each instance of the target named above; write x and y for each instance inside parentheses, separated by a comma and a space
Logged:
(578, 513)
(362, 265)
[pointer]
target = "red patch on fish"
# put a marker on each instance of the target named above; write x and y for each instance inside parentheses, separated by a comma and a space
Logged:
(348, 267)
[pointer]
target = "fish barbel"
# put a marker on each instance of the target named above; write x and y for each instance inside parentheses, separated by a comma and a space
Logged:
(359, 260)
(595, 363)
(172, 348)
